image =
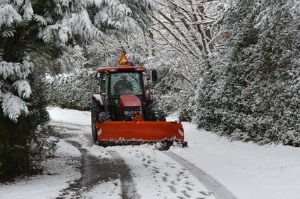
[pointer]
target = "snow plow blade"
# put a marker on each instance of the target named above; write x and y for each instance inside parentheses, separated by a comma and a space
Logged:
(136, 132)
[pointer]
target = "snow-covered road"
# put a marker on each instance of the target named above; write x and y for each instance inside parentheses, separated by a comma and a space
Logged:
(247, 170)
(143, 171)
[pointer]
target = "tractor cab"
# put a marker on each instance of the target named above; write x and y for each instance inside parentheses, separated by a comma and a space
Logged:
(123, 88)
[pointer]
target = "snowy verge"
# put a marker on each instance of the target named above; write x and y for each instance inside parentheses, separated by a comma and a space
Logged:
(58, 172)
(248, 170)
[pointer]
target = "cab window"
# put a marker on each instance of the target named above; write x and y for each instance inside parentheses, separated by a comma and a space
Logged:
(126, 83)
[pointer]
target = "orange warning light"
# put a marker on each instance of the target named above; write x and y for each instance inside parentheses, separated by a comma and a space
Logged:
(123, 61)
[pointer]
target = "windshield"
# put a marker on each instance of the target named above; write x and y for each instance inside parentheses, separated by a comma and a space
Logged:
(126, 83)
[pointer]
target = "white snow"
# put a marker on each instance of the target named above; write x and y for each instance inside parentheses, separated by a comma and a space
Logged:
(70, 116)
(246, 169)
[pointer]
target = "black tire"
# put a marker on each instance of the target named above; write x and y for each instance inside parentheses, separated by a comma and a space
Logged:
(93, 120)
(165, 145)
(159, 115)
(96, 110)
(94, 133)
(103, 117)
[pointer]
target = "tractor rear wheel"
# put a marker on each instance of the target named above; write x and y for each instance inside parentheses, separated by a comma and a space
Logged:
(100, 118)
(93, 120)
(94, 133)
(95, 112)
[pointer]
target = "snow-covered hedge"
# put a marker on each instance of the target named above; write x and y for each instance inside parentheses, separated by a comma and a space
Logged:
(73, 90)
(254, 93)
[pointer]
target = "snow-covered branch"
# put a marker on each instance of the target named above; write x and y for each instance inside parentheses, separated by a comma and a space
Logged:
(12, 106)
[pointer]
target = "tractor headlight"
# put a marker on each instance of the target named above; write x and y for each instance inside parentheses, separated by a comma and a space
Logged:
(128, 112)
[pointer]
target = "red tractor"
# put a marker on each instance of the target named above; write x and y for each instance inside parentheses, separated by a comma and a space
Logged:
(123, 111)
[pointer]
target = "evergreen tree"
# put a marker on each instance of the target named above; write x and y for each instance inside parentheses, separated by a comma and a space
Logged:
(32, 31)
(45, 26)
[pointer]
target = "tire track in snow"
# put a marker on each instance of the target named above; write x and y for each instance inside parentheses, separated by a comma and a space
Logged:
(94, 171)
(118, 169)
(129, 190)
(219, 191)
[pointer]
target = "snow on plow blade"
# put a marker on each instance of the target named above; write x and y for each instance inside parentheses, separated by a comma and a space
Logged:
(118, 132)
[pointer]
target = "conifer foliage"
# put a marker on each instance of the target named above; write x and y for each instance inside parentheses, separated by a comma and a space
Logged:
(32, 31)
(26, 26)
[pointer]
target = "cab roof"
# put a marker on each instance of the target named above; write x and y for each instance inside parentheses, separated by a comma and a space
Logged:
(122, 69)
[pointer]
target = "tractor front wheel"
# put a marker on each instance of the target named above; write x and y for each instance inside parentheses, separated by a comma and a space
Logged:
(159, 115)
